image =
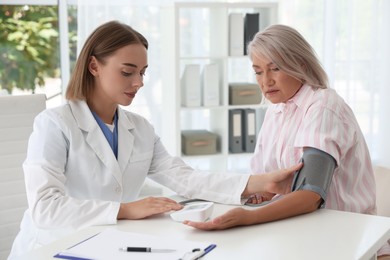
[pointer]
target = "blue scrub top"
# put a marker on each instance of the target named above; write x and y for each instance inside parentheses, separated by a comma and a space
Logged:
(112, 137)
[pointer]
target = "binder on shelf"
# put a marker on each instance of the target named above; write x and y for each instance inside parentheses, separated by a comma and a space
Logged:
(236, 34)
(235, 130)
(249, 130)
(210, 85)
(251, 27)
(265, 18)
(190, 86)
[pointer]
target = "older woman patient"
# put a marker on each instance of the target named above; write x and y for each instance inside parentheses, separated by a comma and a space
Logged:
(305, 115)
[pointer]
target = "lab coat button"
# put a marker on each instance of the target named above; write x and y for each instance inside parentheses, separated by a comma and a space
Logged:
(118, 189)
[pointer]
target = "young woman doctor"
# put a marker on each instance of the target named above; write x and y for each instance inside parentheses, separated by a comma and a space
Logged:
(87, 160)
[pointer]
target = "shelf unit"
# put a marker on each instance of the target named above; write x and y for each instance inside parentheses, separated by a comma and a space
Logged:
(202, 37)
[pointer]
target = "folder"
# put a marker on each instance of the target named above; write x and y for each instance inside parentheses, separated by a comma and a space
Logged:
(249, 130)
(236, 34)
(210, 85)
(190, 86)
(251, 27)
(235, 130)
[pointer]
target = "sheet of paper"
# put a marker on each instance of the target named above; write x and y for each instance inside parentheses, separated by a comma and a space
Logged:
(105, 246)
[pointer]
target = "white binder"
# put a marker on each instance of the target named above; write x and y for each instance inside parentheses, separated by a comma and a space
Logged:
(190, 86)
(236, 34)
(249, 130)
(235, 131)
(210, 85)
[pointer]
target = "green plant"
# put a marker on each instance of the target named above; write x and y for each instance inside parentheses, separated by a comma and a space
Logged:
(28, 46)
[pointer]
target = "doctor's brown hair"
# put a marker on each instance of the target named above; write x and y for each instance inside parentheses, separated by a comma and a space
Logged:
(102, 43)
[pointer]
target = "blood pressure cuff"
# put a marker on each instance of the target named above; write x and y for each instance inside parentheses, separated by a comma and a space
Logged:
(316, 173)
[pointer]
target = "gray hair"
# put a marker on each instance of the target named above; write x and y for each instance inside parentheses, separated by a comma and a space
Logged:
(291, 53)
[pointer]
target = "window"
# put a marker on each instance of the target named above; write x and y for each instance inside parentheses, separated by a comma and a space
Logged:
(31, 52)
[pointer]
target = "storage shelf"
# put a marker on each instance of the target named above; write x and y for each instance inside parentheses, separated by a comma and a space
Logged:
(202, 37)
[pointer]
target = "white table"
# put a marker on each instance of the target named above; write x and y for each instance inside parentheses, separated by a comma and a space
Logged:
(324, 234)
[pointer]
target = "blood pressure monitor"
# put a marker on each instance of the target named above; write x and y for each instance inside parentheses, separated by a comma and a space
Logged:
(199, 212)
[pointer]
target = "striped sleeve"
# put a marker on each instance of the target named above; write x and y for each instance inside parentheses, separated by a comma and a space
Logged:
(325, 128)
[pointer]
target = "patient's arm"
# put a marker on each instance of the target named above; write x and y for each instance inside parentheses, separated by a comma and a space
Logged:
(292, 204)
(309, 192)
(310, 188)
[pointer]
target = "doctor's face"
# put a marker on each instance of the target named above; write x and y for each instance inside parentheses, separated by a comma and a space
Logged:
(276, 85)
(120, 76)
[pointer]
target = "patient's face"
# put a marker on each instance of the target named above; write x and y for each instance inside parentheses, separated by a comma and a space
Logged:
(276, 85)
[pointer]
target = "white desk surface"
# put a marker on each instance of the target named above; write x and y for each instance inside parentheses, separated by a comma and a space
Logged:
(324, 234)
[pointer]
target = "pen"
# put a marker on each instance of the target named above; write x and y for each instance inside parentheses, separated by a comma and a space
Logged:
(207, 250)
(195, 255)
(145, 249)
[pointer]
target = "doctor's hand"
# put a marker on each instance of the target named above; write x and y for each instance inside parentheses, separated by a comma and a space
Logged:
(147, 207)
(278, 182)
(232, 218)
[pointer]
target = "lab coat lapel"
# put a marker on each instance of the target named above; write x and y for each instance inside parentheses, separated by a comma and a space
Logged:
(125, 139)
(95, 137)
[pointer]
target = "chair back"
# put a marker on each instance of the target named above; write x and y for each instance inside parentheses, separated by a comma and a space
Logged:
(382, 179)
(17, 114)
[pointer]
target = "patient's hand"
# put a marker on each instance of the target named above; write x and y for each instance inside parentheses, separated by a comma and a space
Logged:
(232, 218)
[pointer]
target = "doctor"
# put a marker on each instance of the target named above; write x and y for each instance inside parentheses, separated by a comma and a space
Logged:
(88, 159)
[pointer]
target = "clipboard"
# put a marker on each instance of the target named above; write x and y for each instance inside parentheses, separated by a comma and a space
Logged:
(106, 246)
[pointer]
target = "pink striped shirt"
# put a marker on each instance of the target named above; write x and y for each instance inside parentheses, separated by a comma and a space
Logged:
(321, 119)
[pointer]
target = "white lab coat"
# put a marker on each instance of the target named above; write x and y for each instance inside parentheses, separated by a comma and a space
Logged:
(73, 179)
